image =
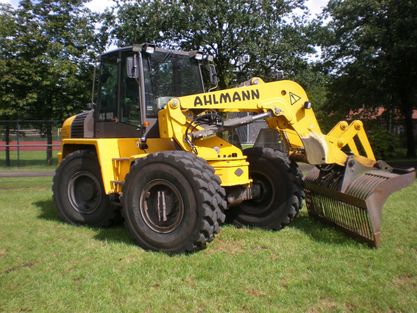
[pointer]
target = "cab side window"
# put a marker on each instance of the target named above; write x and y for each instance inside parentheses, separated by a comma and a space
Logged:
(108, 89)
(129, 96)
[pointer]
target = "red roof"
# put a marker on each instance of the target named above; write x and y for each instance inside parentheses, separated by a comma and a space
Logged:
(371, 114)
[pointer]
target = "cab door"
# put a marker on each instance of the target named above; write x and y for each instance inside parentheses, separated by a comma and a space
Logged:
(118, 111)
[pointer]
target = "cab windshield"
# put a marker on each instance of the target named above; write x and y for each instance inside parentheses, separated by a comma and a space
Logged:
(169, 75)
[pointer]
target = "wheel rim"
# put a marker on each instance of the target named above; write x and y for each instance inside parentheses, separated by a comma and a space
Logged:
(267, 195)
(161, 206)
(84, 192)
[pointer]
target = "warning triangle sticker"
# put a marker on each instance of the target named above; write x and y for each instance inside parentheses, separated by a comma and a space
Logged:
(294, 98)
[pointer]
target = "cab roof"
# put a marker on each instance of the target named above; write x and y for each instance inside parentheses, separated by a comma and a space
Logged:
(141, 47)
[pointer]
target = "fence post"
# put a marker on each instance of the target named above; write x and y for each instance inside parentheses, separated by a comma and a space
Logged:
(18, 142)
(7, 141)
(49, 143)
(26, 135)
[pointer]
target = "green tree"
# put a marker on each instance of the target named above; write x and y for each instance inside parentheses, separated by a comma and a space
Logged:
(15, 75)
(7, 28)
(246, 38)
(371, 51)
(55, 42)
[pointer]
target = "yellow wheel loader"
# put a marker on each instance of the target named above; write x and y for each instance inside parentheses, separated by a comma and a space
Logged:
(155, 149)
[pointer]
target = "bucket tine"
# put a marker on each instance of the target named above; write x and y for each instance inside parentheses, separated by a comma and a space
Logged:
(352, 198)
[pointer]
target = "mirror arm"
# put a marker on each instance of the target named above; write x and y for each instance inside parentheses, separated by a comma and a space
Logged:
(92, 105)
(213, 77)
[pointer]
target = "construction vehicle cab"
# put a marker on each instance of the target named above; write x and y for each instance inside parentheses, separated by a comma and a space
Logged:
(136, 82)
(153, 147)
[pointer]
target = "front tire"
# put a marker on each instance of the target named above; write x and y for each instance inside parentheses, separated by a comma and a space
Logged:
(281, 191)
(173, 202)
(78, 191)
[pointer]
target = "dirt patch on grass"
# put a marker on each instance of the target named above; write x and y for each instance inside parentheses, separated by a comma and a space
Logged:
(324, 305)
(283, 283)
(18, 267)
(405, 281)
(232, 247)
(255, 293)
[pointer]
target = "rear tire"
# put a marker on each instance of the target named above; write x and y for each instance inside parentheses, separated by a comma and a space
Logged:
(78, 191)
(282, 191)
(173, 202)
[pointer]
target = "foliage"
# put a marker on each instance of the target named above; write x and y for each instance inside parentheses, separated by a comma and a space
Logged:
(46, 56)
(246, 38)
(371, 53)
(15, 75)
(49, 266)
(46, 59)
(383, 143)
(58, 38)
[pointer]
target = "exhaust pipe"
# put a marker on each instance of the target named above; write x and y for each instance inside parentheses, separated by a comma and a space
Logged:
(352, 197)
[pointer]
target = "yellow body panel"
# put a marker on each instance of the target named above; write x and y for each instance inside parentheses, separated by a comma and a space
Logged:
(115, 155)
(233, 172)
(66, 127)
(106, 149)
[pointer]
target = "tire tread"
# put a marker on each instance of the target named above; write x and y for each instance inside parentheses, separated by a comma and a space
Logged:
(211, 196)
(295, 177)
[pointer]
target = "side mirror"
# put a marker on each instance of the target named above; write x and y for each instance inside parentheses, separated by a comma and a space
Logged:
(213, 75)
(132, 67)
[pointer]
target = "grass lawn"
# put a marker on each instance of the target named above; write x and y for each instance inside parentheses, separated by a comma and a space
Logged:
(50, 266)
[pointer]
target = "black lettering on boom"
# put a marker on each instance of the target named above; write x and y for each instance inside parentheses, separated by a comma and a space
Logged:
(224, 97)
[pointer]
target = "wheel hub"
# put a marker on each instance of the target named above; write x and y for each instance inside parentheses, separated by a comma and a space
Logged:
(86, 188)
(262, 197)
(84, 192)
(161, 206)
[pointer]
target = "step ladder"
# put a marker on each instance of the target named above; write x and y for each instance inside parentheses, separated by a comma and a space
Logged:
(120, 169)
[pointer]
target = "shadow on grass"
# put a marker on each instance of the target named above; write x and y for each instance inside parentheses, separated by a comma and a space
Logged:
(320, 232)
(317, 231)
(47, 210)
(116, 233)
(312, 228)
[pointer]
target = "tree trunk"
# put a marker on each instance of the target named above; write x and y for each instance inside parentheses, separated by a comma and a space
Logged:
(409, 130)
(7, 141)
(49, 144)
(407, 111)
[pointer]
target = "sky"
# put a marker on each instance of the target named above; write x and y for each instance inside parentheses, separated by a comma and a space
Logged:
(315, 6)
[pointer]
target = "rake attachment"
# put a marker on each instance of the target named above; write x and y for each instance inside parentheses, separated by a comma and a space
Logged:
(352, 197)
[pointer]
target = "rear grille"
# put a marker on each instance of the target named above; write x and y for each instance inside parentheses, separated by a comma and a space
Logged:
(77, 127)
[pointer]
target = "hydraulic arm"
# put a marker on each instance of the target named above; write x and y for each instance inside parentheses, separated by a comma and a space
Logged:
(285, 107)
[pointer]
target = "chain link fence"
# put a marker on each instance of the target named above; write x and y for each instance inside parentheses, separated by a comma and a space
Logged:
(247, 134)
(30, 143)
